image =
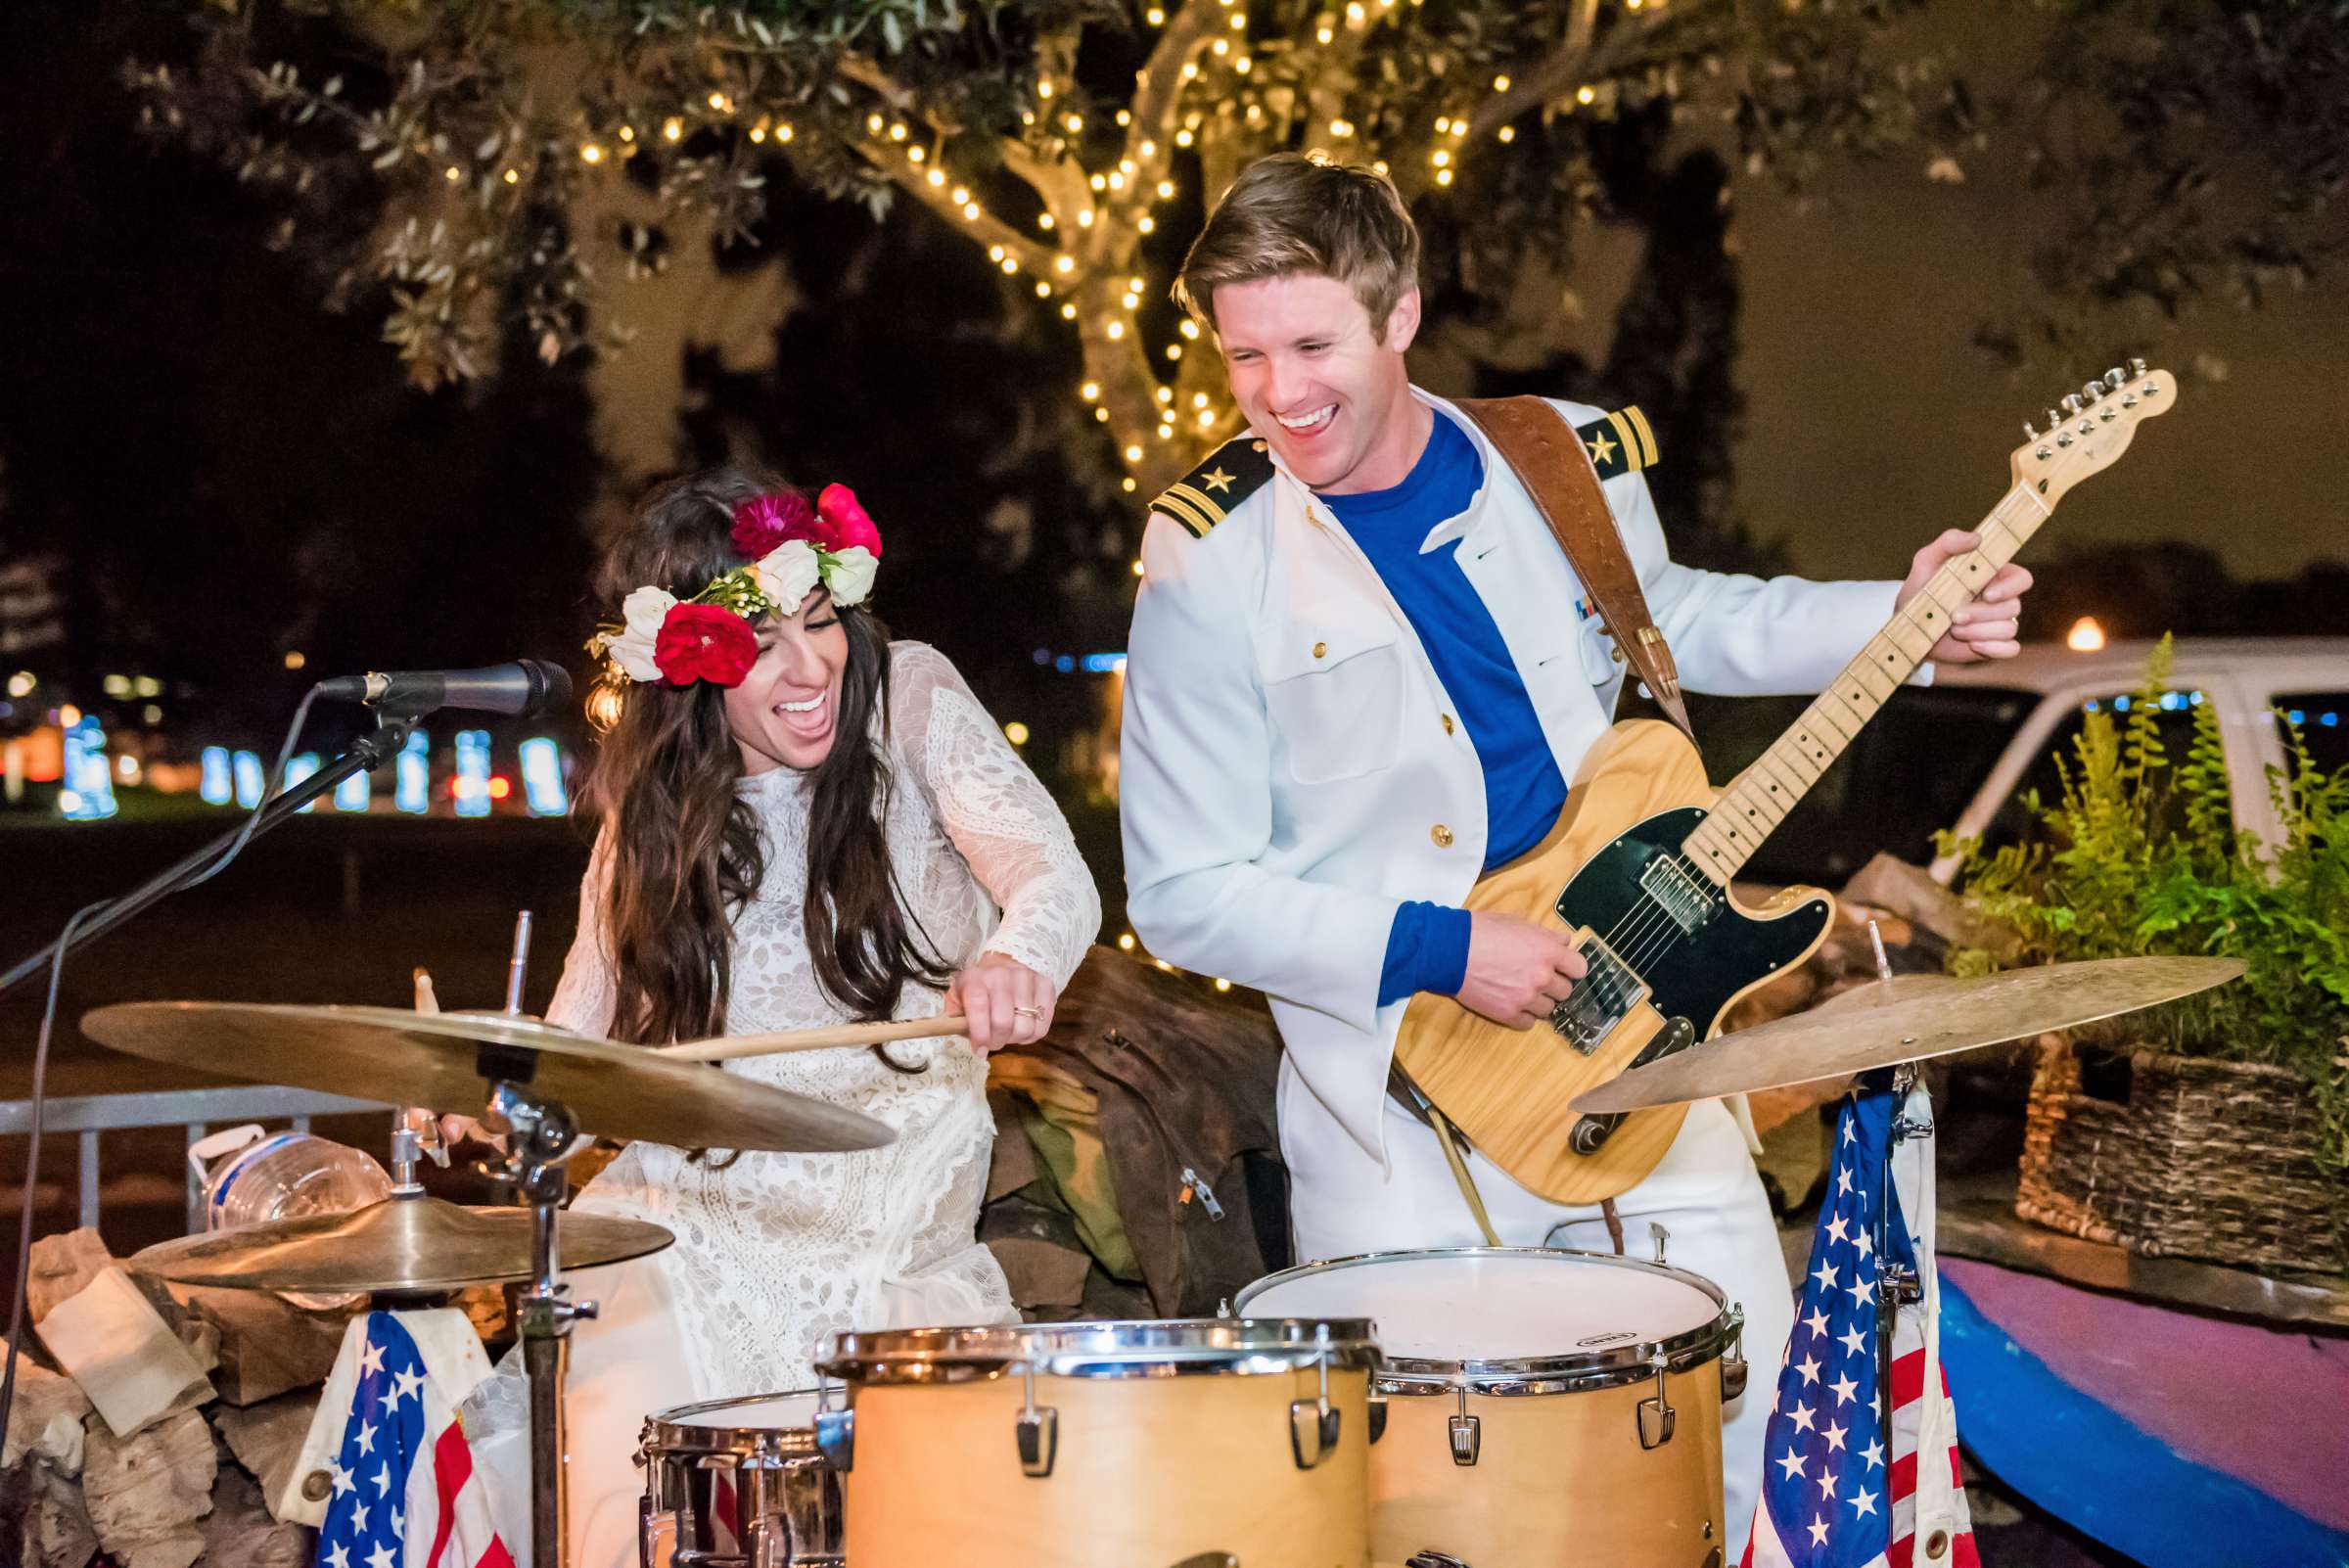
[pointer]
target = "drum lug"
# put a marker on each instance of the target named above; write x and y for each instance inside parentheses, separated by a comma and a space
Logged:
(1037, 1432)
(1321, 1420)
(1733, 1369)
(836, 1439)
(1467, 1433)
(771, 1543)
(1657, 1417)
(656, 1534)
(1378, 1416)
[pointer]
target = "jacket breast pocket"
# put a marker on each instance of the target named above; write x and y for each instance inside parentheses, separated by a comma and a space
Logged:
(1335, 698)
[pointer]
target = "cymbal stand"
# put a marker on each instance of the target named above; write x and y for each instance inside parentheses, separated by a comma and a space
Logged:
(1897, 1284)
(543, 1134)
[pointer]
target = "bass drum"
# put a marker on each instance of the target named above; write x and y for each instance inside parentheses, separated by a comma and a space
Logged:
(739, 1484)
(1544, 1408)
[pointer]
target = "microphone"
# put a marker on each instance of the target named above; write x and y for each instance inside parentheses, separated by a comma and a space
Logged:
(523, 687)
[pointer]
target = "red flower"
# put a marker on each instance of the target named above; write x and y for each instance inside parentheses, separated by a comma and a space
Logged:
(764, 522)
(846, 524)
(705, 642)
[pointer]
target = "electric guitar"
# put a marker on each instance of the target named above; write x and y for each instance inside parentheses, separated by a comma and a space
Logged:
(1639, 869)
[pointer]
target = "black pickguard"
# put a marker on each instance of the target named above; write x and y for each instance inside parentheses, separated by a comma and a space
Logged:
(1691, 975)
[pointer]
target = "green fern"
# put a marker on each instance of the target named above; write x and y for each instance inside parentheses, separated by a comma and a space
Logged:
(2139, 856)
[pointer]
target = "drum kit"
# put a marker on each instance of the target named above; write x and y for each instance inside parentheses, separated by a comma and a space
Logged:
(1408, 1410)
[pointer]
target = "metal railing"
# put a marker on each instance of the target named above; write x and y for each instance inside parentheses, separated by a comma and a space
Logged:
(195, 1110)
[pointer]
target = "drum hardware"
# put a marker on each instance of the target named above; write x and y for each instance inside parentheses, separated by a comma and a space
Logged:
(1433, 1559)
(738, 1483)
(1319, 1417)
(1467, 1433)
(1037, 1431)
(1657, 1234)
(1657, 1418)
(1733, 1369)
(835, 1430)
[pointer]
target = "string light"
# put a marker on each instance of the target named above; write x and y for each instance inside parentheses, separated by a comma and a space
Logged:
(936, 176)
(1084, 219)
(1116, 330)
(1134, 454)
(1044, 220)
(591, 153)
(970, 209)
(1198, 399)
(1074, 122)
(1166, 395)
(1586, 95)
(783, 132)
(1101, 414)
(915, 155)
(1090, 391)
(1500, 84)
(1149, 149)
(1341, 128)
(1124, 117)
(1174, 350)
(672, 128)
(1044, 89)
(1043, 289)
(1064, 264)
(1323, 35)
(1182, 138)
(628, 133)
(1131, 300)
(1127, 485)
(759, 134)
(962, 194)
(513, 176)
(1442, 176)
(1443, 124)
(1441, 158)
(1146, 223)
(1222, 46)
(1155, 17)
(1242, 65)
(1011, 263)
(454, 173)
(1206, 417)
(1068, 312)
(1099, 182)
(1240, 21)
(1190, 328)
(1507, 133)
(1190, 68)
(1166, 190)
(1126, 942)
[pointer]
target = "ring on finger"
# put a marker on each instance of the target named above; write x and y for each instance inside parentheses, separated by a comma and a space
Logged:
(1028, 1012)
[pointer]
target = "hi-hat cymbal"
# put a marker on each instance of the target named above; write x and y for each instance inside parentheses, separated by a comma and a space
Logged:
(412, 1243)
(446, 1061)
(1905, 1019)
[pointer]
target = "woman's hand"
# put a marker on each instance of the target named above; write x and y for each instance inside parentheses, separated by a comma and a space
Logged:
(1004, 1003)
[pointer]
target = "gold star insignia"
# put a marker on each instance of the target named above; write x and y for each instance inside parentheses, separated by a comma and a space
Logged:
(1215, 479)
(1601, 448)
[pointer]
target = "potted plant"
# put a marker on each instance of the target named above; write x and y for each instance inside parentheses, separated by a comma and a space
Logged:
(2216, 1127)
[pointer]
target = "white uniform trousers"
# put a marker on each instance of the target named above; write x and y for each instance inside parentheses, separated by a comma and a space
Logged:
(1706, 1193)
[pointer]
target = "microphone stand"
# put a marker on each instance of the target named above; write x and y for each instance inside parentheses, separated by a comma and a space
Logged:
(368, 753)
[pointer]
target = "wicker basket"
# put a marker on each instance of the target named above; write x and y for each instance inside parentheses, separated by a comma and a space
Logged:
(2201, 1159)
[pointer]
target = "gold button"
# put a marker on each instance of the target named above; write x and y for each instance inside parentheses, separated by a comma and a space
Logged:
(1260, 445)
(1442, 835)
(1320, 649)
(1446, 724)
(1615, 652)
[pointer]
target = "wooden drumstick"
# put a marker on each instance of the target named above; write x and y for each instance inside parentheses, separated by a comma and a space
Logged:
(727, 1047)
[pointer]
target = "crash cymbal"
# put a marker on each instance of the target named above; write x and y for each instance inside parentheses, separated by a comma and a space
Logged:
(447, 1061)
(1905, 1019)
(412, 1243)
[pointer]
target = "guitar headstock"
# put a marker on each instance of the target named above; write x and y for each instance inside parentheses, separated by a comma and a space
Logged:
(2092, 430)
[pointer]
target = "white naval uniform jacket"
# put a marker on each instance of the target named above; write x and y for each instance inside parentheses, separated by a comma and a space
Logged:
(1292, 769)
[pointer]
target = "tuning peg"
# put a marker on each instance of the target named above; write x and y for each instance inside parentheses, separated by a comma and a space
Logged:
(2029, 434)
(2052, 418)
(2091, 390)
(2113, 379)
(2136, 367)
(2071, 402)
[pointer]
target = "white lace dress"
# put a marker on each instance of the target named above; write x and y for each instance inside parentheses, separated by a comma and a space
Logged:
(775, 1253)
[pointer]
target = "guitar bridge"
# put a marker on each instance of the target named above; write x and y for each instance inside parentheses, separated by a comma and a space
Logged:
(1601, 999)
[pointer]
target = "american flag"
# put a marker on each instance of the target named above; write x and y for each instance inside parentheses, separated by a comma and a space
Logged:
(1837, 1491)
(404, 1494)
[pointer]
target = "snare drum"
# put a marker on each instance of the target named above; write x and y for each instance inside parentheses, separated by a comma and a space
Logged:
(1143, 1445)
(739, 1484)
(1544, 1408)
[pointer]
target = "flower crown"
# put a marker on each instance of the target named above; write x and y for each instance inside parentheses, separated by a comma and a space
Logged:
(791, 547)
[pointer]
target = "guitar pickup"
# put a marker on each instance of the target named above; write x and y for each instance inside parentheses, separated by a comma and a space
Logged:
(1602, 998)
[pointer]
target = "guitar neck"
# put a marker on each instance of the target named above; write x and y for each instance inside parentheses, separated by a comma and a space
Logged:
(1752, 806)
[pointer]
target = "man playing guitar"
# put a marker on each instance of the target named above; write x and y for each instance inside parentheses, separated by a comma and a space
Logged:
(1362, 672)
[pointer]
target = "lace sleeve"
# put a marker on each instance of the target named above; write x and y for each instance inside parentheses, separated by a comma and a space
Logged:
(587, 997)
(999, 817)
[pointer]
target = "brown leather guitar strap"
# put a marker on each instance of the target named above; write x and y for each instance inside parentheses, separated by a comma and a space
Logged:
(1549, 457)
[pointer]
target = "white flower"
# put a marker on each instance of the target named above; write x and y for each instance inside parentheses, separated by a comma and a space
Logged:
(643, 610)
(849, 574)
(787, 573)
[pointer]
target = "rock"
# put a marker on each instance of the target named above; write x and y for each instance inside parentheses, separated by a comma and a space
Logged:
(145, 1493)
(62, 1267)
(46, 1418)
(268, 1346)
(266, 1438)
(240, 1531)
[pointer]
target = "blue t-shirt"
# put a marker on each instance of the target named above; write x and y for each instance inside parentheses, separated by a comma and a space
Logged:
(1427, 949)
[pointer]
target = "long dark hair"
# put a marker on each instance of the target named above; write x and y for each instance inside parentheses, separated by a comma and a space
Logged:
(685, 849)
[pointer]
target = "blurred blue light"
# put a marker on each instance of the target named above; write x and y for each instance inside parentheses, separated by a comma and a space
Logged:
(542, 776)
(354, 792)
(2120, 704)
(1103, 663)
(216, 787)
(89, 792)
(248, 771)
(2328, 720)
(2297, 715)
(473, 772)
(298, 769)
(412, 789)
(1065, 663)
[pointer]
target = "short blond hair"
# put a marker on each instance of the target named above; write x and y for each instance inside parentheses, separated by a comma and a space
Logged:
(1297, 212)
